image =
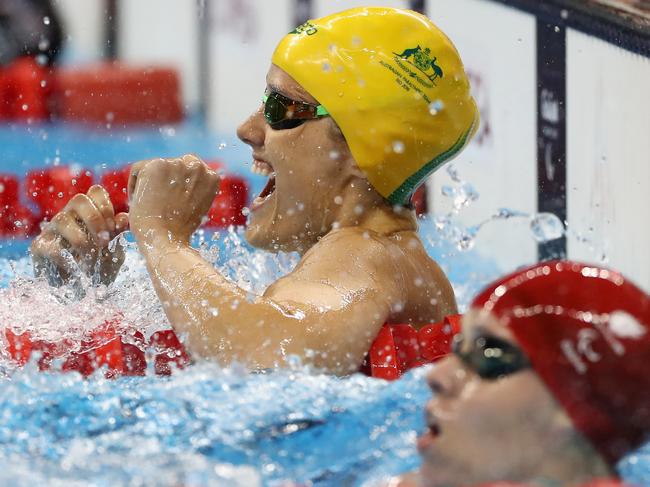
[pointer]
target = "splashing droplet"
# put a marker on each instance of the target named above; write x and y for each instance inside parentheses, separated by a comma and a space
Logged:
(398, 147)
(435, 107)
(546, 227)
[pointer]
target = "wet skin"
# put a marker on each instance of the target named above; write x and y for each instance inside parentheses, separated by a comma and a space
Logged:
(508, 429)
(362, 262)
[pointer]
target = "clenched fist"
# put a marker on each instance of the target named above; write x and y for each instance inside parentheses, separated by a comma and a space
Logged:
(78, 236)
(171, 195)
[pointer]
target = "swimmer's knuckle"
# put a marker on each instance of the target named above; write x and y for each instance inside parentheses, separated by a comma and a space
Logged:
(94, 218)
(60, 218)
(79, 199)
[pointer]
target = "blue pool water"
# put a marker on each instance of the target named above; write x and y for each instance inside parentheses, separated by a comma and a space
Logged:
(204, 425)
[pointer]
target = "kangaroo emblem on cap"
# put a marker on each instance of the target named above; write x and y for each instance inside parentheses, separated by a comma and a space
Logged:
(422, 60)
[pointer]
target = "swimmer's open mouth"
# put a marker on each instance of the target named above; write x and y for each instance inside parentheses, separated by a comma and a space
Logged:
(263, 168)
(430, 434)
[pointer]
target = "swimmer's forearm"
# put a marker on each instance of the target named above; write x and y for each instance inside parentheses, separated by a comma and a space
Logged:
(222, 322)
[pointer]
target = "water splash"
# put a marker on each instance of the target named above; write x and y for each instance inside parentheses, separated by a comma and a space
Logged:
(544, 227)
(71, 312)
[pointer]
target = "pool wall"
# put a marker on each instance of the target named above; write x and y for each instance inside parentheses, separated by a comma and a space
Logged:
(563, 92)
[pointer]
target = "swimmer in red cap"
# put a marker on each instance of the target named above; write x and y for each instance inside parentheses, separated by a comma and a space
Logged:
(548, 385)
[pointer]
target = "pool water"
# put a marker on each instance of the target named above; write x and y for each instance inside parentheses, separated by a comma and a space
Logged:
(204, 425)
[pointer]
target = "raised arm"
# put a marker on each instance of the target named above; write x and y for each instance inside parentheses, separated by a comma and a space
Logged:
(327, 311)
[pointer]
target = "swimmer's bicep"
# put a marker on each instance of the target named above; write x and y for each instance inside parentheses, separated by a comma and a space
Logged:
(312, 294)
(335, 283)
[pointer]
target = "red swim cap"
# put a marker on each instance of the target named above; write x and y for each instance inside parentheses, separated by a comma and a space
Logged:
(586, 331)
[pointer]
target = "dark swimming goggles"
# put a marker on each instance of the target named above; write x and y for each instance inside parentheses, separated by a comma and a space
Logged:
(284, 113)
(489, 357)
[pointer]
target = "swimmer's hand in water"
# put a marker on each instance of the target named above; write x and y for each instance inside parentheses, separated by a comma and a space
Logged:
(170, 195)
(78, 238)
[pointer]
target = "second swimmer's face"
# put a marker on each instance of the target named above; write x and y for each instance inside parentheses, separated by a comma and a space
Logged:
(483, 430)
(308, 169)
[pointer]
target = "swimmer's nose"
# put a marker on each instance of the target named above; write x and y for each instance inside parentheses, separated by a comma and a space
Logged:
(444, 379)
(251, 131)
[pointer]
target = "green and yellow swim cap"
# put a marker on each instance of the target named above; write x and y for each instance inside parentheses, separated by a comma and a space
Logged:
(394, 84)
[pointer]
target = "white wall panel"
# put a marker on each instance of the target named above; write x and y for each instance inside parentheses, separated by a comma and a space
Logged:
(326, 7)
(243, 37)
(608, 156)
(498, 47)
(162, 32)
(83, 23)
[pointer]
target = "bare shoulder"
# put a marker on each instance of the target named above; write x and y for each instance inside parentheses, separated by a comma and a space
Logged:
(345, 261)
(354, 250)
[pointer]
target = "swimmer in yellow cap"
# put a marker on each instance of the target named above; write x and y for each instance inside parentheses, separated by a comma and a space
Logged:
(359, 108)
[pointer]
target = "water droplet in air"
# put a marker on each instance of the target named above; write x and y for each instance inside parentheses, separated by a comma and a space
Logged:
(448, 191)
(556, 29)
(546, 227)
(327, 67)
(222, 146)
(398, 147)
(435, 107)
(25, 107)
(46, 20)
(60, 194)
(334, 155)
(564, 14)
(338, 200)
(245, 211)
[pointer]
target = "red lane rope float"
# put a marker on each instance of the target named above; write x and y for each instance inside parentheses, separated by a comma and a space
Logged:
(53, 187)
(105, 347)
(16, 220)
(116, 183)
(396, 349)
(227, 208)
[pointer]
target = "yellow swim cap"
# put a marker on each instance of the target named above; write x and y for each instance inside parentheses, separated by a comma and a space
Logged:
(394, 84)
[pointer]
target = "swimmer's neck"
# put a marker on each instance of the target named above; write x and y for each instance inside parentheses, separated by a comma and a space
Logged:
(365, 208)
(382, 219)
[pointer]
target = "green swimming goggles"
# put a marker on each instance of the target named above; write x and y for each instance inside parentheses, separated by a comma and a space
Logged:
(284, 113)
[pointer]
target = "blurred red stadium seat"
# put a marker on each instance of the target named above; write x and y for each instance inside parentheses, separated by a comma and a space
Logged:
(117, 94)
(24, 90)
